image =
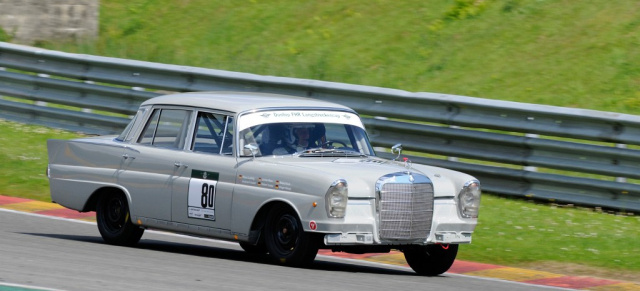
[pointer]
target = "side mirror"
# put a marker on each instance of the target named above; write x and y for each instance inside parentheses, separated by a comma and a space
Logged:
(396, 149)
(252, 148)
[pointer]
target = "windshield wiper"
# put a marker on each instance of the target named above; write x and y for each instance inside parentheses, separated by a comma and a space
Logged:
(322, 152)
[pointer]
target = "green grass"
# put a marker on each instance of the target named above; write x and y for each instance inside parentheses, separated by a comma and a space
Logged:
(24, 159)
(517, 232)
(552, 52)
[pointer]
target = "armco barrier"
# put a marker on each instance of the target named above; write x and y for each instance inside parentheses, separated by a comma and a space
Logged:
(585, 157)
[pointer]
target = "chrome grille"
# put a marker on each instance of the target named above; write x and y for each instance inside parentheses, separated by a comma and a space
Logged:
(406, 210)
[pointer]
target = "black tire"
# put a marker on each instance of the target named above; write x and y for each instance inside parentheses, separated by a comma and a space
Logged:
(114, 221)
(286, 240)
(431, 260)
(258, 249)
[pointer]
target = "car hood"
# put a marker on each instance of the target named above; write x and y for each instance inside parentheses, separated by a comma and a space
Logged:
(361, 174)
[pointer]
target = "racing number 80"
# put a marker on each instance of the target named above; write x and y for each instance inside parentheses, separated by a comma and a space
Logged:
(208, 195)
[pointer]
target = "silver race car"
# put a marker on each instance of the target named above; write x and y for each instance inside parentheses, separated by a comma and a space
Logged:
(278, 174)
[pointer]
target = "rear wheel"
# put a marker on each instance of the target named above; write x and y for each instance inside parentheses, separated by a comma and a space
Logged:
(431, 260)
(114, 222)
(286, 240)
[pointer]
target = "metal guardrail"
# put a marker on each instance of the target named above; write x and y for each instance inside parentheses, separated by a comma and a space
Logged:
(577, 150)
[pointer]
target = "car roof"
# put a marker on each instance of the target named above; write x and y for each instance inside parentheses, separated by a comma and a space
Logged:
(241, 101)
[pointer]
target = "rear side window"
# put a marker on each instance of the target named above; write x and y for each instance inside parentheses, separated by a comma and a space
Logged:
(166, 128)
(213, 134)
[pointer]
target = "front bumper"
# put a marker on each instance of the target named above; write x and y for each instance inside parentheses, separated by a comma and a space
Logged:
(359, 227)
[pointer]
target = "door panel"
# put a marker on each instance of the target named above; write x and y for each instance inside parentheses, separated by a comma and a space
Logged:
(150, 167)
(202, 192)
(148, 175)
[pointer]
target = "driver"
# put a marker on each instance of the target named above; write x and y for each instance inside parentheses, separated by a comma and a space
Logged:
(302, 138)
(297, 141)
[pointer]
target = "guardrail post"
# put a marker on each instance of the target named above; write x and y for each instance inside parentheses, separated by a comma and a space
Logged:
(531, 168)
(621, 179)
(88, 110)
(453, 159)
(42, 103)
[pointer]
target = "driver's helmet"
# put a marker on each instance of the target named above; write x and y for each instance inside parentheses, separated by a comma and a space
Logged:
(295, 129)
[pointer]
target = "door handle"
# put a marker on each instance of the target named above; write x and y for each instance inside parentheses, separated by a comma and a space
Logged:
(126, 156)
(179, 164)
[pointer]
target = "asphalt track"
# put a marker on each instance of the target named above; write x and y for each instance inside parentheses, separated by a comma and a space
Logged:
(55, 253)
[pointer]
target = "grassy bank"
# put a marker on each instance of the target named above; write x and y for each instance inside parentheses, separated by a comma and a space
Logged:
(555, 52)
(579, 241)
(24, 159)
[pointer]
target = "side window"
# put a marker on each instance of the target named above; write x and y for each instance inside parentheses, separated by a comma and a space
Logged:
(167, 128)
(213, 134)
(150, 129)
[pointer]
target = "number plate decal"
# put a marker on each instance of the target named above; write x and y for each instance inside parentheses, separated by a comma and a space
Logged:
(202, 195)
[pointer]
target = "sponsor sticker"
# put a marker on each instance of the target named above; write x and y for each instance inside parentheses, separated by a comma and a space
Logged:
(309, 116)
(264, 182)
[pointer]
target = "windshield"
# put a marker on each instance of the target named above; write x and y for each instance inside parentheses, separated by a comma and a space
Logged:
(306, 139)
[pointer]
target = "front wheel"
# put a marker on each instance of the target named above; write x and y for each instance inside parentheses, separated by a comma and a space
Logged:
(431, 260)
(286, 240)
(114, 221)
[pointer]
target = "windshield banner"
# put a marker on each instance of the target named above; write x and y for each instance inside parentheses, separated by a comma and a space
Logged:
(298, 116)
